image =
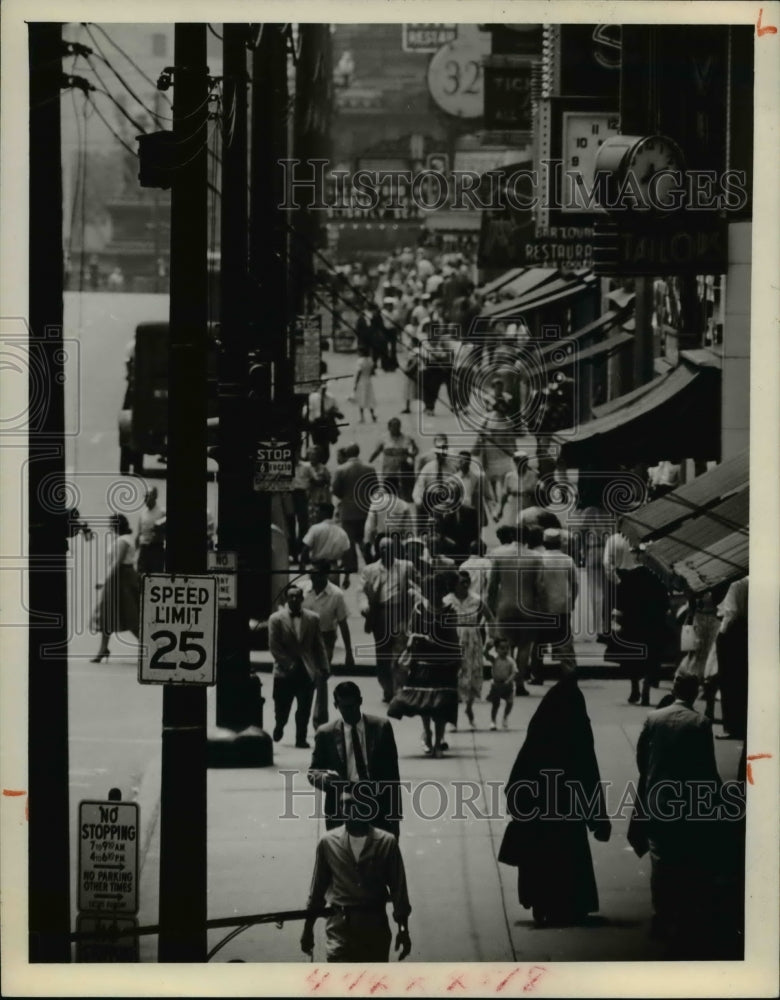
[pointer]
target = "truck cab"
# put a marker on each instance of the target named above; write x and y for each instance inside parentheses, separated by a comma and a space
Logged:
(143, 419)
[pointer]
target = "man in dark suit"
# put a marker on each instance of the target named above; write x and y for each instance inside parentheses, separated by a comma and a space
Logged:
(300, 658)
(677, 813)
(354, 484)
(357, 750)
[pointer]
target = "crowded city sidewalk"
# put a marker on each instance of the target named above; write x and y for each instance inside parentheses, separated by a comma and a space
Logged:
(464, 903)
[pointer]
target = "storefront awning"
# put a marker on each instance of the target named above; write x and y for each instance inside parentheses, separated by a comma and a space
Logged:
(601, 325)
(530, 280)
(594, 351)
(675, 414)
(697, 535)
(705, 491)
(556, 291)
(502, 281)
(724, 560)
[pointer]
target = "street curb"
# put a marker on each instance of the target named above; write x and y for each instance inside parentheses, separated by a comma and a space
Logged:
(593, 671)
(148, 800)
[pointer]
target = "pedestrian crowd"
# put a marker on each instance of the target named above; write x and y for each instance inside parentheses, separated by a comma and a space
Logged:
(444, 612)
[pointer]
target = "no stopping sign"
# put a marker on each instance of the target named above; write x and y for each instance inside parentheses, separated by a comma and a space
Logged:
(178, 629)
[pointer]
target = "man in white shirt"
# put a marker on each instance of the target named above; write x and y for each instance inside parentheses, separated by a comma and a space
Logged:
(150, 536)
(663, 478)
(469, 518)
(325, 540)
(326, 600)
(433, 487)
(387, 515)
(558, 589)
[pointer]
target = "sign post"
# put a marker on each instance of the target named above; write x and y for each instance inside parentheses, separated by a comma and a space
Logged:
(308, 353)
(178, 629)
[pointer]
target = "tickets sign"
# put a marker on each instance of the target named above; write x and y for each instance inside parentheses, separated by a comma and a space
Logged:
(108, 857)
(178, 629)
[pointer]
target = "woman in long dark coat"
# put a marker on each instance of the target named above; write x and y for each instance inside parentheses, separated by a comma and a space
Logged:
(117, 608)
(547, 838)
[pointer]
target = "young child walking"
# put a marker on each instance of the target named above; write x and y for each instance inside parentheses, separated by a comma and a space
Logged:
(504, 671)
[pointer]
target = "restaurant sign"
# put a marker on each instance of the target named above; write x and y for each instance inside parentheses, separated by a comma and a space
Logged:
(504, 243)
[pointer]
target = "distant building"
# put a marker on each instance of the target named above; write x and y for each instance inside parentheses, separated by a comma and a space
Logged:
(113, 222)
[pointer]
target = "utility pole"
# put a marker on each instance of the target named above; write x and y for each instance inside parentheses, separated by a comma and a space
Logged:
(311, 141)
(47, 785)
(268, 275)
(239, 704)
(183, 787)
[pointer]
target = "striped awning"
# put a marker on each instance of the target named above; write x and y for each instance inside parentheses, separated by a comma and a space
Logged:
(682, 408)
(724, 561)
(698, 535)
(662, 516)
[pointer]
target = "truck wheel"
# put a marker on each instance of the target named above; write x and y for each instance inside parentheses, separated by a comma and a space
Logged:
(131, 462)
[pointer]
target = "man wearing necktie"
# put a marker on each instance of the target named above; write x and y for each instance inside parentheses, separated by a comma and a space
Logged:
(357, 750)
(300, 659)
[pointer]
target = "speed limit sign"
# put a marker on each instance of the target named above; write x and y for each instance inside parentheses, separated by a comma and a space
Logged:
(178, 629)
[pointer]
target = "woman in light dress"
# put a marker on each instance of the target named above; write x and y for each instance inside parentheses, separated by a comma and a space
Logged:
(519, 490)
(364, 384)
(472, 614)
(319, 482)
(494, 449)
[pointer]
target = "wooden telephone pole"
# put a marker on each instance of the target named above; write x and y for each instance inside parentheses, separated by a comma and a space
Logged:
(268, 244)
(48, 827)
(183, 788)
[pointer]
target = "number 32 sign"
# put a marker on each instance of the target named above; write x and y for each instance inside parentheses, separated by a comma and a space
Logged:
(178, 629)
(456, 77)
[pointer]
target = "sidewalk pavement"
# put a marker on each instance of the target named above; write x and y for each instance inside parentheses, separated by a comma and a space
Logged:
(464, 904)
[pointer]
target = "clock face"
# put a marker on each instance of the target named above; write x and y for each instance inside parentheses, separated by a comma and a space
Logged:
(584, 132)
(650, 156)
